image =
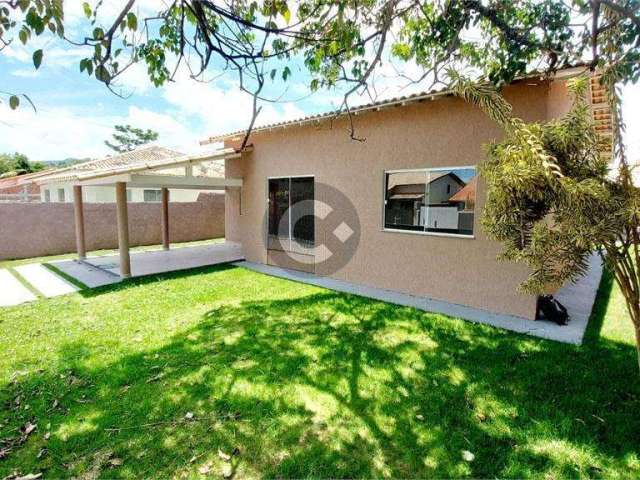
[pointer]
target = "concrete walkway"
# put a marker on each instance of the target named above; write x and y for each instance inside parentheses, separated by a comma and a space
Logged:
(99, 271)
(45, 281)
(578, 298)
(12, 292)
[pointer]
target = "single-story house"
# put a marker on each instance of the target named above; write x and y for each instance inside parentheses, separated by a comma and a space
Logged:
(412, 186)
(56, 186)
(399, 211)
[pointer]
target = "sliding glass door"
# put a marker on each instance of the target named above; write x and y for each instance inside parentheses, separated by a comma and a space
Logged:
(291, 224)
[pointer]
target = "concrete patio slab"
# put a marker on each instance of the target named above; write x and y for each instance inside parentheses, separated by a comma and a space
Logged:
(45, 281)
(86, 274)
(578, 298)
(105, 270)
(12, 292)
(162, 261)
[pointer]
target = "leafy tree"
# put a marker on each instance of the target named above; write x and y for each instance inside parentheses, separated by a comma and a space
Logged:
(338, 42)
(127, 138)
(552, 200)
(18, 163)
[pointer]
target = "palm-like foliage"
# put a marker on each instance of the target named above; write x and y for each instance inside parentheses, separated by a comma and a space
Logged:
(551, 198)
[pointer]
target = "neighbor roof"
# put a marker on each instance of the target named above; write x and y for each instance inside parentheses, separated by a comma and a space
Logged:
(379, 105)
(138, 156)
(9, 182)
(146, 160)
(467, 192)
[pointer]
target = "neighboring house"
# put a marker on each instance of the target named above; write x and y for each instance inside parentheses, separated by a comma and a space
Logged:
(62, 191)
(414, 187)
(12, 190)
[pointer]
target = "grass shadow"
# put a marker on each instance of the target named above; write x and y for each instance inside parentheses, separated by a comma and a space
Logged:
(599, 313)
(330, 385)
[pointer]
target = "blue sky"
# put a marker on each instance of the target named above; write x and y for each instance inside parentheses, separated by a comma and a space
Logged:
(75, 113)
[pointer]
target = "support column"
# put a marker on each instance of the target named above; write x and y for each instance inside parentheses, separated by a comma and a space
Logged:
(123, 229)
(165, 218)
(78, 210)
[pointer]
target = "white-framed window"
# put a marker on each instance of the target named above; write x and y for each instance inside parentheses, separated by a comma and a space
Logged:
(129, 195)
(431, 200)
(47, 195)
(152, 195)
(61, 195)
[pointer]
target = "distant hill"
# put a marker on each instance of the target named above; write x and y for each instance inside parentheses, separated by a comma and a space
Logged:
(67, 162)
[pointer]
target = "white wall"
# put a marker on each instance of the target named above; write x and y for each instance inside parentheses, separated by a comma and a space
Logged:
(438, 189)
(441, 217)
(108, 194)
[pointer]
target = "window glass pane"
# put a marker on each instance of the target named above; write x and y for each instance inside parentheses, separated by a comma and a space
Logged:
(451, 197)
(152, 195)
(404, 200)
(278, 237)
(302, 191)
(61, 194)
(47, 196)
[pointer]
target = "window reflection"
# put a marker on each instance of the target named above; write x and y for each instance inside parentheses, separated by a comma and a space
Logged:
(434, 200)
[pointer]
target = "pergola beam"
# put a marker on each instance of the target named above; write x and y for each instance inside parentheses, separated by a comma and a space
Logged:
(166, 181)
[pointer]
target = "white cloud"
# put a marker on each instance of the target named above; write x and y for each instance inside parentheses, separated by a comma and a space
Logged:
(24, 73)
(220, 106)
(134, 80)
(52, 133)
(57, 133)
(196, 110)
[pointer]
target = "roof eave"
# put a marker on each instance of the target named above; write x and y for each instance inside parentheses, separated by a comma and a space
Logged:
(564, 73)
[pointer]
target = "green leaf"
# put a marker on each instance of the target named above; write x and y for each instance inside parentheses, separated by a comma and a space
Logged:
(286, 73)
(24, 36)
(87, 9)
(273, 74)
(37, 58)
(102, 74)
(132, 21)
(287, 15)
(14, 102)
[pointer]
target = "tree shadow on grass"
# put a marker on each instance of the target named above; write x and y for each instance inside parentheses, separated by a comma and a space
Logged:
(601, 304)
(332, 385)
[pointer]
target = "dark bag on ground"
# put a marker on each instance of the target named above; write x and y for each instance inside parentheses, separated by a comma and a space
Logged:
(551, 309)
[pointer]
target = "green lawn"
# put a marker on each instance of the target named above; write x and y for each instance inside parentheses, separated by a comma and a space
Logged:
(156, 376)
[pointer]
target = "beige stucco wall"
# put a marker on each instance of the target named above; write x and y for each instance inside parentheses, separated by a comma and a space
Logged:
(32, 230)
(442, 133)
